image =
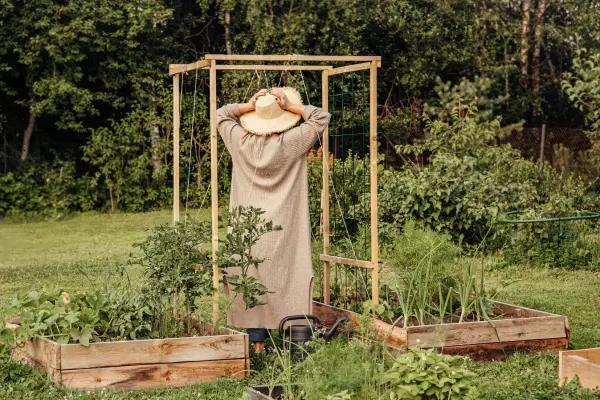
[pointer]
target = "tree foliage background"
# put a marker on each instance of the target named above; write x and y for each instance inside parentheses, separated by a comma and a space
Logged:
(85, 97)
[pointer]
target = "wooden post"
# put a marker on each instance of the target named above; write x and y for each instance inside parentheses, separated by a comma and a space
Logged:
(176, 124)
(373, 160)
(214, 154)
(542, 144)
(325, 202)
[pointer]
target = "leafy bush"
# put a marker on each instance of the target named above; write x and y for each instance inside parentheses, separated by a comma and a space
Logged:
(423, 374)
(474, 96)
(469, 181)
(466, 183)
(175, 263)
(46, 188)
(581, 85)
(563, 244)
(349, 194)
(551, 244)
(125, 166)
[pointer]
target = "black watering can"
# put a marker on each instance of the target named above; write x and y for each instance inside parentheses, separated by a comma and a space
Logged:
(295, 337)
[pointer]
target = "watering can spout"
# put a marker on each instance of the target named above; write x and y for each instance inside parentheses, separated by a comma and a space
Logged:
(334, 328)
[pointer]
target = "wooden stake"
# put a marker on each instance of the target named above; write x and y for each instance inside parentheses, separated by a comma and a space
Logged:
(542, 145)
(373, 157)
(325, 202)
(176, 124)
(214, 154)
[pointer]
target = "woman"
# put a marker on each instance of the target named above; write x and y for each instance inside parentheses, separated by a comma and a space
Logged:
(269, 172)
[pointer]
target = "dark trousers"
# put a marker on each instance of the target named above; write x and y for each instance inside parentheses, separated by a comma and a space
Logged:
(257, 334)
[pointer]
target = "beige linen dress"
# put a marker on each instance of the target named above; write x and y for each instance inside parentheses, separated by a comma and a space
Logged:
(270, 172)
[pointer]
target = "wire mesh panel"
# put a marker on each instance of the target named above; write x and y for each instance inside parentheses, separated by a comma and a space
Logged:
(348, 165)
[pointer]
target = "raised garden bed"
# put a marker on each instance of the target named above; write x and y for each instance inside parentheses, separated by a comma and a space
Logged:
(519, 329)
(585, 364)
(141, 364)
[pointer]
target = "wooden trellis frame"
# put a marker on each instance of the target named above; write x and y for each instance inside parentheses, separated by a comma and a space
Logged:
(210, 62)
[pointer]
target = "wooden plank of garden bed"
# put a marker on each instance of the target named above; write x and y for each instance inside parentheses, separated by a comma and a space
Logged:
(156, 351)
(499, 351)
(41, 354)
(468, 333)
(586, 370)
(44, 351)
(521, 312)
(152, 376)
(393, 336)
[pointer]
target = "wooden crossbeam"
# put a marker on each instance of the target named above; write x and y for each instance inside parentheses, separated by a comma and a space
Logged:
(275, 67)
(346, 261)
(175, 69)
(290, 58)
(350, 68)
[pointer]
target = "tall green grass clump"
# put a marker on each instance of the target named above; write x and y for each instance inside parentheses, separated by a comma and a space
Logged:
(415, 248)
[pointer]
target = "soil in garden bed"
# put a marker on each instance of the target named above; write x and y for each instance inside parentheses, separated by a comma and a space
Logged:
(495, 313)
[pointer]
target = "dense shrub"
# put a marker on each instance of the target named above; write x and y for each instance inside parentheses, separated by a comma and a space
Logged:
(552, 244)
(47, 188)
(122, 155)
(469, 181)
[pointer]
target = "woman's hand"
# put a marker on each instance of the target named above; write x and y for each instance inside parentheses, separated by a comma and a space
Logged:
(285, 103)
(258, 94)
(282, 99)
(251, 105)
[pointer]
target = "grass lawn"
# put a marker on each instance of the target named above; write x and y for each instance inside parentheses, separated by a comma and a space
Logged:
(77, 253)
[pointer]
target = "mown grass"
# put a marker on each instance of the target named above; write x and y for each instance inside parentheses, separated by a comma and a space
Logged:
(77, 253)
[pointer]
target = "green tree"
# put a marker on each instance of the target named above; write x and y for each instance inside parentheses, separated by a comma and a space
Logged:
(72, 58)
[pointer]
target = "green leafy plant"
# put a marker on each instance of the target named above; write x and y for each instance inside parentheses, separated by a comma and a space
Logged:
(125, 167)
(176, 264)
(342, 368)
(424, 374)
(472, 95)
(419, 274)
(343, 395)
(246, 228)
(427, 283)
(581, 85)
(57, 316)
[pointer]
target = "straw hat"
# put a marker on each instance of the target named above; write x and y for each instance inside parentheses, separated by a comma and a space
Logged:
(268, 117)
